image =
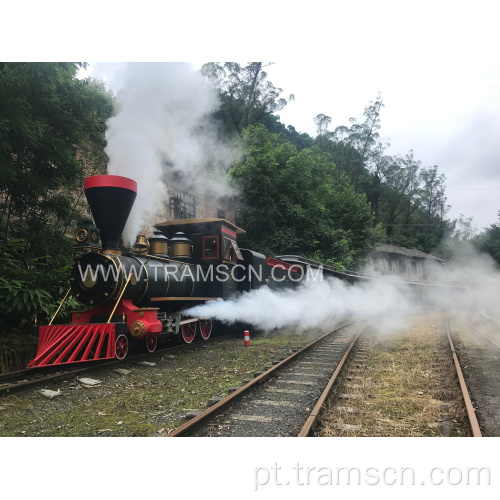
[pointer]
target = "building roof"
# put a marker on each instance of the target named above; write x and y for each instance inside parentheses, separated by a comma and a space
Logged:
(408, 252)
(197, 223)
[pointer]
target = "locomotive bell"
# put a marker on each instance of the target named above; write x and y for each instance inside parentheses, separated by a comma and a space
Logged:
(141, 243)
(158, 244)
(181, 247)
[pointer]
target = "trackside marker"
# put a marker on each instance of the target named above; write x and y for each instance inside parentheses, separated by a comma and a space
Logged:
(247, 338)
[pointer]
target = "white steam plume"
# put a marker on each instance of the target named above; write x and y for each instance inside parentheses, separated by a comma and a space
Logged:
(469, 282)
(313, 304)
(162, 128)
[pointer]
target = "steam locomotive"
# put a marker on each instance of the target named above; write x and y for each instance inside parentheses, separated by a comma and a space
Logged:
(137, 298)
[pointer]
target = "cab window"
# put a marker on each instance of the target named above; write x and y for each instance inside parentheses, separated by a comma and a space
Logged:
(229, 253)
(210, 247)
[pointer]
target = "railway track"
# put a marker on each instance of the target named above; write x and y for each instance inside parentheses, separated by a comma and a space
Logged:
(14, 382)
(477, 347)
(361, 397)
(490, 340)
(284, 400)
(471, 412)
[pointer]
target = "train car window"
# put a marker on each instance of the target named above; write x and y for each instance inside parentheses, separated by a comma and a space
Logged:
(229, 253)
(210, 247)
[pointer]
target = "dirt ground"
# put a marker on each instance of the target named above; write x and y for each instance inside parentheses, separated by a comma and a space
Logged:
(480, 360)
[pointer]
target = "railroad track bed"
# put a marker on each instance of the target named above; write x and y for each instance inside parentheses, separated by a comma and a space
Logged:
(477, 341)
(398, 382)
(284, 397)
(149, 400)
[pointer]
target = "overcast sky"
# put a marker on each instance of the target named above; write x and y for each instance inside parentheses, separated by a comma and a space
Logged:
(436, 64)
(446, 109)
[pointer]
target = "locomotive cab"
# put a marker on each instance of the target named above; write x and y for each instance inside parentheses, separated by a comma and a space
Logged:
(214, 250)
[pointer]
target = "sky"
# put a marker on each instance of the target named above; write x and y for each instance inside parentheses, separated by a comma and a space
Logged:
(446, 110)
(436, 64)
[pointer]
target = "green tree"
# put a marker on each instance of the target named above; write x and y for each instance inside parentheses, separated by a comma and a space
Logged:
(354, 149)
(51, 137)
(489, 241)
(247, 95)
(291, 201)
(51, 125)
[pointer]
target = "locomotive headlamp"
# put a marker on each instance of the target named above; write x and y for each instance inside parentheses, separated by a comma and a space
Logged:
(86, 235)
(90, 279)
(81, 235)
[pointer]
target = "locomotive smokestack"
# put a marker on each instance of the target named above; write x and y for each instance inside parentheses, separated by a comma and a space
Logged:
(110, 198)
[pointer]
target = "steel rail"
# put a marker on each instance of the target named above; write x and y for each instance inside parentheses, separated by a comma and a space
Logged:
(313, 417)
(471, 412)
(483, 335)
(205, 415)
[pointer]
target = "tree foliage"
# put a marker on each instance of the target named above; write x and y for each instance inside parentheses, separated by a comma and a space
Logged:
(292, 202)
(247, 95)
(51, 137)
(488, 241)
(407, 199)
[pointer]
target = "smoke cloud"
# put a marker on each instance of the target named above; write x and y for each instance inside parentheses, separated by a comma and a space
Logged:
(162, 132)
(468, 282)
(312, 304)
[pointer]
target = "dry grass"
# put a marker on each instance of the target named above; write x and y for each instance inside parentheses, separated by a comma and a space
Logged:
(408, 388)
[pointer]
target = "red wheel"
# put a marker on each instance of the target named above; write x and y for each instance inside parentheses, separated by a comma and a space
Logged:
(205, 328)
(121, 346)
(151, 343)
(188, 331)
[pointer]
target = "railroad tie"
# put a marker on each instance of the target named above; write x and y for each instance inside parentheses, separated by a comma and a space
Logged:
(253, 418)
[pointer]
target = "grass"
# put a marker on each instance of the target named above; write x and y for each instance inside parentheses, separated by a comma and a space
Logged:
(150, 400)
(407, 380)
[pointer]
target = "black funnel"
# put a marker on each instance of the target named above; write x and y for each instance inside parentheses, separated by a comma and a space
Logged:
(110, 198)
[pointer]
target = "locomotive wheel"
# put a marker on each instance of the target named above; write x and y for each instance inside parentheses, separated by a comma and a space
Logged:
(188, 331)
(205, 328)
(121, 346)
(151, 343)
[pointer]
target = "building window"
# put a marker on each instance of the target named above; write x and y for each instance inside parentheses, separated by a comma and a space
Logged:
(182, 205)
(402, 265)
(426, 272)
(414, 267)
(393, 264)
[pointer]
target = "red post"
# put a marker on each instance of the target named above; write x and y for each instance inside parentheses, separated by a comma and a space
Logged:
(247, 338)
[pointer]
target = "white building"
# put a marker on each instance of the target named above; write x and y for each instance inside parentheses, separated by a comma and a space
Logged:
(409, 264)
